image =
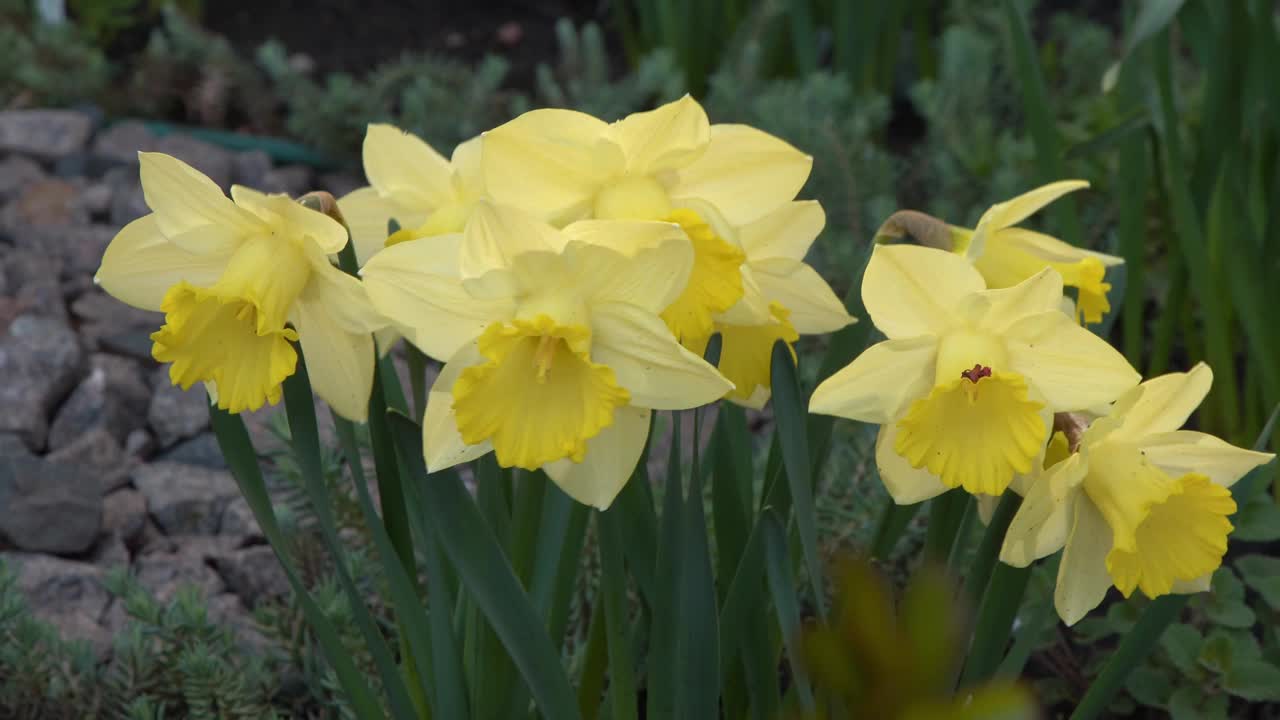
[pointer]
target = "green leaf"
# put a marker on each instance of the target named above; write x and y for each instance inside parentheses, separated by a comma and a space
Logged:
(664, 644)
(1225, 603)
(1153, 16)
(1262, 573)
(489, 578)
(613, 587)
(1150, 686)
(893, 521)
(1182, 643)
(1254, 680)
(1133, 648)
(1258, 521)
(783, 589)
(698, 632)
(789, 409)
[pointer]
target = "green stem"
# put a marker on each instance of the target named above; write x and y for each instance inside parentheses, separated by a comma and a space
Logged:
(1134, 647)
(984, 560)
(894, 519)
(995, 620)
(945, 513)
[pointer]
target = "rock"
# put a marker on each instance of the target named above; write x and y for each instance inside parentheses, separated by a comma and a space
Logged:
(238, 521)
(200, 450)
(174, 413)
(95, 199)
(228, 611)
(253, 574)
(40, 359)
(100, 403)
(50, 134)
(250, 168)
(110, 552)
(48, 202)
(12, 446)
(209, 159)
(16, 173)
(164, 573)
(120, 143)
(99, 453)
(31, 282)
(128, 203)
(292, 180)
(139, 444)
(124, 513)
(49, 507)
(104, 319)
(69, 595)
(81, 248)
(185, 499)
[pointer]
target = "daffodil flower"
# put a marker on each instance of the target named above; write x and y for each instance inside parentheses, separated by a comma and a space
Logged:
(1140, 505)
(411, 183)
(555, 353)
(1007, 255)
(966, 385)
(238, 281)
(665, 164)
(775, 277)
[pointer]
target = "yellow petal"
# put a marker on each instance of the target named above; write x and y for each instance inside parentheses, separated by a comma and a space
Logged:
(367, 214)
(404, 168)
(1044, 519)
(539, 398)
(1001, 308)
(468, 172)
(1050, 248)
(745, 172)
(649, 363)
(345, 298)
(185, 200)
(910, 290)
(1073, 368)
(878, 384)
(746, 355)
(416, 284)
(646, 264)
(1184, 451)
(975, 434)
(787, 232)
(442, 444)
(1162, 404)
(213, 338)
(665, 138)
(715, 281)
(496, 234)
(339, 362)
(906, 485)
(270, 273)
(1012, 212)
(610, 460)
(1083, 580)
(139, 266)
(813, 305)
(1010, 257)
(549, 162)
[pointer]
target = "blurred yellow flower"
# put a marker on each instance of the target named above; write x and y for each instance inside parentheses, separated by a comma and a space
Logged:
(665, 164)
(966, 385)
(554, 351)
(1140, 505)
(1007, 255)
(411, 183)
(229, 274)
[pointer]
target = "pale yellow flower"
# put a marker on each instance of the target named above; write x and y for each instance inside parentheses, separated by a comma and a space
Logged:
(1140, 505)
(238, 280)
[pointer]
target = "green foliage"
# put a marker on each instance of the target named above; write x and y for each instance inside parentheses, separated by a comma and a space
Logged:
(42, 65)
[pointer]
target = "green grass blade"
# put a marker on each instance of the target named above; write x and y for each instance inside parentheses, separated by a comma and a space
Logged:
(945, 513)
(595, 663)
(999, 607)
(664, 643)
(698, 632)
(789, 407)
(730, 494)
(483, 568)
(894, 520)
(613, 588)
(785, 600)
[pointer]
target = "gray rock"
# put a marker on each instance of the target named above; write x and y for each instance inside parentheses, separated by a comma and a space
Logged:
(124, 513)
(69, 595)
(98, 453)
(80, 247)
(16, 173)
(31, 283)
(200, 450)
(120, 143)
(228, 611)
(209, 159)
(12, 446)
(292, 180)
(45, 203)
(96, 199)
(251, 167)
(49, 507)
(97, 405)
(139, 444)
(253, 574)
(110, 552)
(174, 413)
(40, 359)
(185, 499)
(238, 521)
(128, 203)
(50, 134)
(164, 573)
(104, 319)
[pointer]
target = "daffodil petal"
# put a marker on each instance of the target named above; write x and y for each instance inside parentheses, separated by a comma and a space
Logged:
(280, 210)
(184, 199)
(442, 444)
(1184, 451)
(549, 162)
(496, 234)
(787, 232)
(610, 460)
(367, 214)
(468, 172)
(910, 290)
(1051, 248)
(880, 382)
(906, 485)
(1012, 212)
(1083, 579)
(752, 308)
(403, 167)
(665, 138)
(1162, 404)
(416, 284)
(745, 172)
(339, 362)
(139, 266)
(800, 289)
(648, 362)
(1071, 367)
(1044, 519)
(641, 263)
(1040, 293)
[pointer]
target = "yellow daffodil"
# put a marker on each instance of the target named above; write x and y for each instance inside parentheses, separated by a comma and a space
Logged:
(665, 164)
(411, 183)
(555, 352)
(238, 280)
(1140, 505)
(1007, 255)
(795, 299)
(966, 385)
